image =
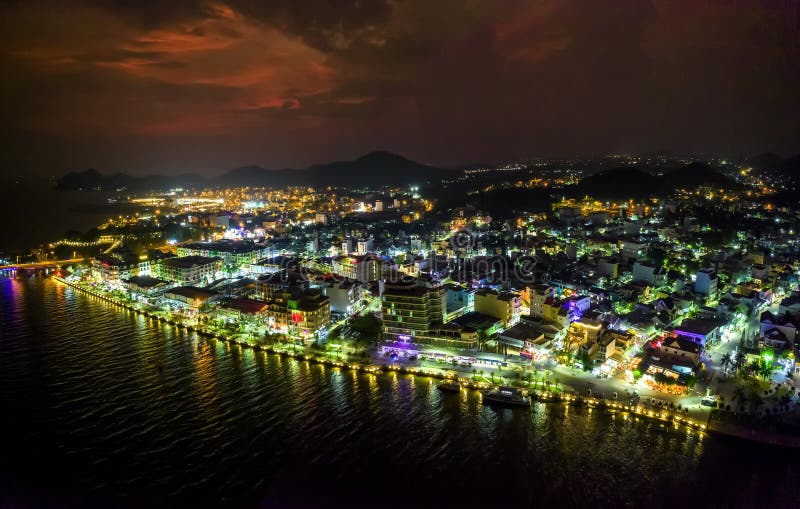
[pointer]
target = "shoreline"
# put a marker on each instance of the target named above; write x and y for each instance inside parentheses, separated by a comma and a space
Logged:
(544, 396)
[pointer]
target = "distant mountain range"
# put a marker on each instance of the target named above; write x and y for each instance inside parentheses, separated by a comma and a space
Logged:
(371, 170)
(385, 168)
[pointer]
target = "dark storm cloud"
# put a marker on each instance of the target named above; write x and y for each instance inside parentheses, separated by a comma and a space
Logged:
(323, 24)
(147, 86)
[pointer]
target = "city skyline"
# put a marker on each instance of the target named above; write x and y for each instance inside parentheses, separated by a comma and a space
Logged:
(400, 253)
(207, 86)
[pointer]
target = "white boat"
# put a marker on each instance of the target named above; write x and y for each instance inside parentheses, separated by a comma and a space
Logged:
(508, 396)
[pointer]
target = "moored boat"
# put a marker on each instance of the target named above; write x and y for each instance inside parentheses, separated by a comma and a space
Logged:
(509, 396)
(449, 386)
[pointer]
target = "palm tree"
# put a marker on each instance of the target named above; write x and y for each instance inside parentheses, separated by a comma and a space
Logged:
(482, 337)
(726, 361)
(764, 371)
(753, 368)
(738, 361)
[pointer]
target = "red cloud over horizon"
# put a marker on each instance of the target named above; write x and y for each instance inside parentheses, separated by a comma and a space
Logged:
(198, 85)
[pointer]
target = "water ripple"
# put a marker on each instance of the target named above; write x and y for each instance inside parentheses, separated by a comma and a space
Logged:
(130, 411)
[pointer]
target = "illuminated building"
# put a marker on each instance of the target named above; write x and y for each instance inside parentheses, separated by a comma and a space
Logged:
(584, 333)
(608, 266)
(364, 246)
(188, 270)
(632, 250)
(411, 310)
(699, 330)
(303, 311)
(344, 296)
(504, 306)
(310, 313)
(536, 296)
(459, 299)
(681, 348)
(145, 285)
(706, 282)
(191, 296)
(347, 246)
(654, 275)
(563, 312)
(365, 269)
(613, 344)
(114, 267)
(235, 253)
(280, 281)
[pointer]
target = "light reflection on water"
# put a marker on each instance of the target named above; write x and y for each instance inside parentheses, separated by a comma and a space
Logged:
(127, 408)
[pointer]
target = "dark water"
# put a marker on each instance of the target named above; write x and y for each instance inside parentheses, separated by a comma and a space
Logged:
(34, 213)
(91, 420)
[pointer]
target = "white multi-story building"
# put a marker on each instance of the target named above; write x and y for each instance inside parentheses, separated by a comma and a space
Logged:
(114, 268)
(705, 282)
(347, 246)
(654, 275)
(345, 296)
(365, 269)
(364, 246)
(632, 250)
(537, 295)
(188, 270)
(234, 253)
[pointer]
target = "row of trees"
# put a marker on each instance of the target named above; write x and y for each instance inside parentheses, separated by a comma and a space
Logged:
(760, 368)
(520, 376)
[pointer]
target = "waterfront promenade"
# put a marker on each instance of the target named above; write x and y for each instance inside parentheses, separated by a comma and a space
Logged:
(375, 366)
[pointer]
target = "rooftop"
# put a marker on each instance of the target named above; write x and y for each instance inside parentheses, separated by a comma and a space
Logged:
(680, 343)
(405, 290)
(475, 320)
(186, 262)
(191, 292)
(145, 281)
(224, 246)
(499, 295)
(244, 305)
(697, 326)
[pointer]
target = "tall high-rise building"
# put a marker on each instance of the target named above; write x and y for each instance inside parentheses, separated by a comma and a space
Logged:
(411, 310)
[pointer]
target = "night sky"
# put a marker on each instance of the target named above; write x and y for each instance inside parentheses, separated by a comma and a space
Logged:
(170, 86)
